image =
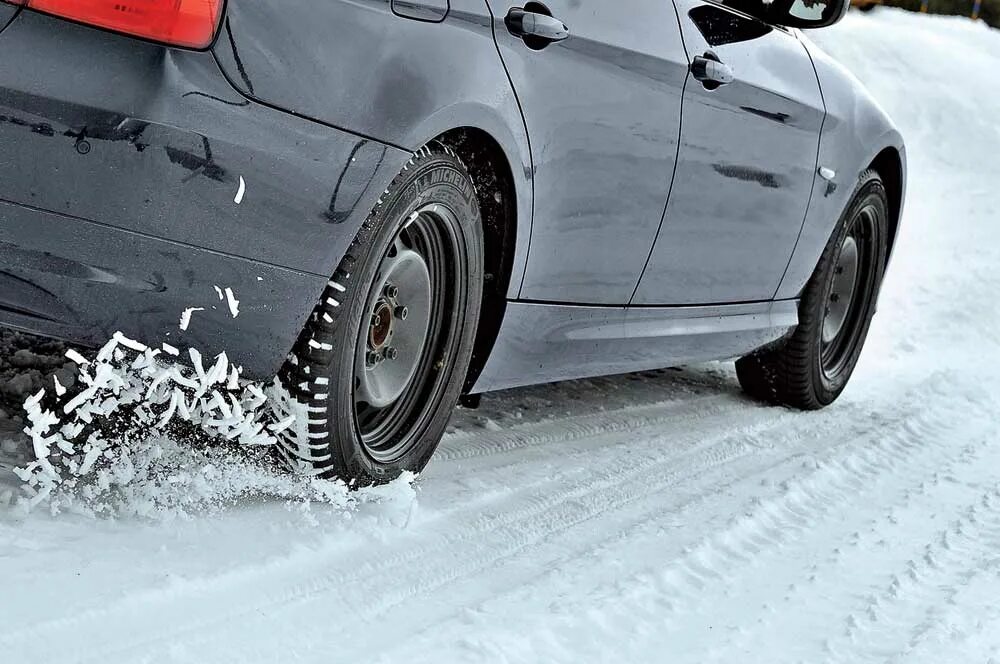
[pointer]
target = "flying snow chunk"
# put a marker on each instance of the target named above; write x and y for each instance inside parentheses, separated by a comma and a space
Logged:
(241, 191)
(75, 357)
(129, 343)
(234, 304)
(186, 316)
(218, 291)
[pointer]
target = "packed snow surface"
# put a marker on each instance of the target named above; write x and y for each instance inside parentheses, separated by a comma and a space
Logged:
(655, 517)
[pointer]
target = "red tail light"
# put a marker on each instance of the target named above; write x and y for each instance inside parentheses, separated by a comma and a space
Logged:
(186, 23)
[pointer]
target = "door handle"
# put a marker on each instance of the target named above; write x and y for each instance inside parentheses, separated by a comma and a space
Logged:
(537, 30)
(711, 71)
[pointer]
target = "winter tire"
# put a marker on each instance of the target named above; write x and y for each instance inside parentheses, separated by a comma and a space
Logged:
(811, 367)
(381, 363)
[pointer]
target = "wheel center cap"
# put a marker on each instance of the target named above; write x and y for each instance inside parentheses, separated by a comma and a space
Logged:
(391, 345)
(841, 296)
(381, 326)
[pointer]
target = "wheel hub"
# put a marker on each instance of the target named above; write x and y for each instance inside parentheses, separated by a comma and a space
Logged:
(845, 278)
(380, 328)
(392, 343)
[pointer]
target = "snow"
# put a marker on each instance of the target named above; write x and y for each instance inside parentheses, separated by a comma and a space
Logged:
(186, 317)
(234, 304)
(651, 517)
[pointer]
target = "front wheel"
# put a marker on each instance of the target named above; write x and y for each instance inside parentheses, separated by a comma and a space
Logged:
(810, 368)
(381, 363)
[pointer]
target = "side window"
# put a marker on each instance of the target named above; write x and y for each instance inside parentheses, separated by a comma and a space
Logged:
(720, 27)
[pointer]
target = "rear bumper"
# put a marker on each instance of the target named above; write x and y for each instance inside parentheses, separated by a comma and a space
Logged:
(120, 165)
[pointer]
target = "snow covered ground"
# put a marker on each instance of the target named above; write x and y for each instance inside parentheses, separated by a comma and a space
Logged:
(655, 517)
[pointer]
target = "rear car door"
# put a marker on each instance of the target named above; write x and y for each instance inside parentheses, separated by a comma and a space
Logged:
(602, 110)
(746, 164)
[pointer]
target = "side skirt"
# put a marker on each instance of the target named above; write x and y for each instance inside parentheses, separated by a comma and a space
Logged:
(541, 343)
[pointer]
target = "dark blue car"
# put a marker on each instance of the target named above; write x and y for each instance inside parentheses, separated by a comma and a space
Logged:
(417, 201)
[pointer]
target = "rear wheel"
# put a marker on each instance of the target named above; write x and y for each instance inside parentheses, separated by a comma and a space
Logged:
(810, 368)
(381, 363)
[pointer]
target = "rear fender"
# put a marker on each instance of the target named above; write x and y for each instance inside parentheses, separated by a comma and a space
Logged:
(356, 65)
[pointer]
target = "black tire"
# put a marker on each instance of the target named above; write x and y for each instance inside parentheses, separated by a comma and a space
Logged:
(810, 368)
(430, 211)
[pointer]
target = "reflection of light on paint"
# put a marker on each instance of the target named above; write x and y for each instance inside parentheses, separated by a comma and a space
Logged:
(242, 190)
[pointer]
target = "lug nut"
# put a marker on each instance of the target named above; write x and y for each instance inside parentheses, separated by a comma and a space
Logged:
(391, 353)
(391, 291)
(401, 312)
(373, 358)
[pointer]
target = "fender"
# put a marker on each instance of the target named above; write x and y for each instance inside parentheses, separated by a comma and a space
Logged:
(855, 132)
(513, 142)
(361, 68)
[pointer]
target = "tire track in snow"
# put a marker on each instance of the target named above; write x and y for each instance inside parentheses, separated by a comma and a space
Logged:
(844, 549)
(475, 444)
(772, 526)
(607, 494)
(913, 600)
(910, 594)
(967, 623)
(549, 507)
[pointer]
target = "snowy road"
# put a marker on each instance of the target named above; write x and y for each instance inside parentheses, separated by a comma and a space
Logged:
(656, 517)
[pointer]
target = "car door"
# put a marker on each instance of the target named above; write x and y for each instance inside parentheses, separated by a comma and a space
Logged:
(750, 139)
(602, 111)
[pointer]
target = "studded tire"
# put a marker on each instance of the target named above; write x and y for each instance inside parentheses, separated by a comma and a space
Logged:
(804, 371)
(323, 374)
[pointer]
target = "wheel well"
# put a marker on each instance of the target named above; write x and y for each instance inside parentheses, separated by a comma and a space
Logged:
(494, 180)
(889, 166)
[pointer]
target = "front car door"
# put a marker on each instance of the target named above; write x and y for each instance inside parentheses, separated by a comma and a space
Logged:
(602, 110)
(746, 165)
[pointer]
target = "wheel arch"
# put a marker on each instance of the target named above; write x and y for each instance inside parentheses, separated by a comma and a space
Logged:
(493, 177)
(889, 165)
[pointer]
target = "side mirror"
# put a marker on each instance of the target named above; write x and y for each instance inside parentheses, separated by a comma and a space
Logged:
(806, 14)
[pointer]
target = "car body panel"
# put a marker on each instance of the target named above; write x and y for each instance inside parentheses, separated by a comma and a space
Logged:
(75, 279)
(746, 166)
(547, 342)
(137, 178)
(7, 14)
(353, 63)
(159, 133)
(433, 11)
(855, 131)
(603, 114)
(152, 143)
